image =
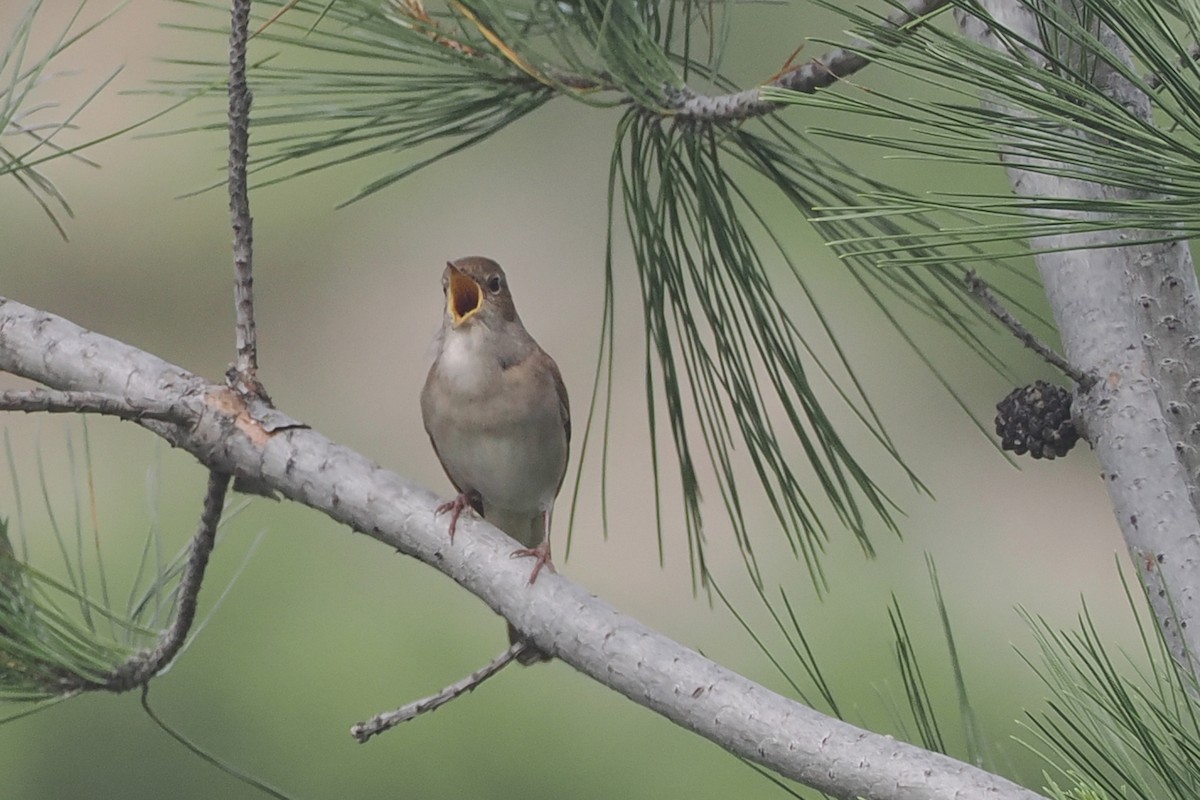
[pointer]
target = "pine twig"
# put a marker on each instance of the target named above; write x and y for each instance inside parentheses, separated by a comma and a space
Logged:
(59, 402)
(138, 670)
(244, 374)
(809, 77)
(978, 287)
(390, 719)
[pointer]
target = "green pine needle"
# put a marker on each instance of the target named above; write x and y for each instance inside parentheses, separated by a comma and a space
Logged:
(56, 640)
(44, 652)
(27, 139)
(1125, 724)
(1045, 112)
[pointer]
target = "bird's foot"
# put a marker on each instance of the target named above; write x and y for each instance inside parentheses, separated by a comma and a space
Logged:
(541, 556)
(463, 501)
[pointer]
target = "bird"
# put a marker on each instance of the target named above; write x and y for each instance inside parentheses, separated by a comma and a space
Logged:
(496, 410)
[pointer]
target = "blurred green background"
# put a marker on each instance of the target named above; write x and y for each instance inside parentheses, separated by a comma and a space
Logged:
(324, 627)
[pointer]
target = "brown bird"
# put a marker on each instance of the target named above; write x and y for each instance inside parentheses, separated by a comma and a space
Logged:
(496, 410)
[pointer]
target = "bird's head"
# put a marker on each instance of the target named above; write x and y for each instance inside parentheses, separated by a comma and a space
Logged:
(477, 291)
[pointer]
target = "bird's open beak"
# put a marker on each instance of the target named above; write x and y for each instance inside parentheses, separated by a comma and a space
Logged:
(464, 297)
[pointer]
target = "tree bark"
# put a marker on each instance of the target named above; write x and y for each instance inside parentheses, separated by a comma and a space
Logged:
(560, 617)
(1127, 315)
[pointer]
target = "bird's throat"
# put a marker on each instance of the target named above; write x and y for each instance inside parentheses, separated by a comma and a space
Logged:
(468, 361)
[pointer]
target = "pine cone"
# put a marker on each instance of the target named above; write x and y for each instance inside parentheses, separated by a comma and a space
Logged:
(1036, 420)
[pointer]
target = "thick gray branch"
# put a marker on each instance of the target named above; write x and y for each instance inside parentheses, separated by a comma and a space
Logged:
(1128, 315)
(558, 616)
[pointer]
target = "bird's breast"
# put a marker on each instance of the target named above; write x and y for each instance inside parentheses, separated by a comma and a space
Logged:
(498, 432)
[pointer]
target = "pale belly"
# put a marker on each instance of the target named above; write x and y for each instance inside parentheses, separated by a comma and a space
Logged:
(516, 468)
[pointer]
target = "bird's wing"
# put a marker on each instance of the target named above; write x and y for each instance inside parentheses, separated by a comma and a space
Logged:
(564, 405)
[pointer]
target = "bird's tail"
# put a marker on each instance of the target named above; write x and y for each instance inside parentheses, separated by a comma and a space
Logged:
(528, 531)
(531, 654)
(521, 526)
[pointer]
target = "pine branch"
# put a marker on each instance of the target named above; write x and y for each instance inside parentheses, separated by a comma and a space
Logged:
(245, 372)
(558, 616)
(979, 288)
(809, 77)
(142, 667)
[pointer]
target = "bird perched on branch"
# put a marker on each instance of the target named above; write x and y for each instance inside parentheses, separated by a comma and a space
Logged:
(496, 410)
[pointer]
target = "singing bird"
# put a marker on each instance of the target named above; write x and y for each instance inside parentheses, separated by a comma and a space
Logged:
(495, 408)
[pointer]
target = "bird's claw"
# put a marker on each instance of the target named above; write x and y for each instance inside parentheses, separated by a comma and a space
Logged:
(541, 556)
(463, 501)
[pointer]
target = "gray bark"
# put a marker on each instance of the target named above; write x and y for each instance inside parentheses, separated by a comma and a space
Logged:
(1127, 315)
(560, 617)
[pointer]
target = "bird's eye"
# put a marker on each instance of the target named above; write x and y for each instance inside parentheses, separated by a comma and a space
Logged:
(495, 284)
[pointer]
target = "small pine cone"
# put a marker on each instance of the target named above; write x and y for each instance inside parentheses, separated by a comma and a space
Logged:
(1036, 420)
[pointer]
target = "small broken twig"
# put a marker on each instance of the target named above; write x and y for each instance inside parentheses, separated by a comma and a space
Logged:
(979, 288)
(390, 719)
